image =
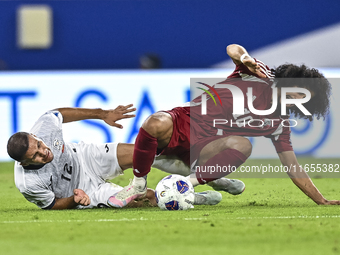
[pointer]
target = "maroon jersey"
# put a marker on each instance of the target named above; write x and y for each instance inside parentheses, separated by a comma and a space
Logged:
(219, 119)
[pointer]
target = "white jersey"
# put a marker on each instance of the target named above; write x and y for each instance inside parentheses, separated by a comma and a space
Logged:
(74, 166)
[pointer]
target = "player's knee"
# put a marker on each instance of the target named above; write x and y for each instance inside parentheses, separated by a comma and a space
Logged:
(247, 147)
(241, 144)
(157, 124)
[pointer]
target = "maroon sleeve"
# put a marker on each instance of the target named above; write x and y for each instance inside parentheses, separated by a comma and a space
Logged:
(282, 141)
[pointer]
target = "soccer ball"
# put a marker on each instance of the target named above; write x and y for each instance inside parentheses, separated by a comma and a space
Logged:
(175, 192)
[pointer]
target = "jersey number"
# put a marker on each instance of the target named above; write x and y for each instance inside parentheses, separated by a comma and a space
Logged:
(67, 169)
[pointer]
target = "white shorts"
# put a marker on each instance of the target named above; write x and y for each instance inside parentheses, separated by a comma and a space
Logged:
(99, 195)
(98, 164)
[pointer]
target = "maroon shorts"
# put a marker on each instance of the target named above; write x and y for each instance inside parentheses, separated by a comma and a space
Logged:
(179, 144)
(188, 138)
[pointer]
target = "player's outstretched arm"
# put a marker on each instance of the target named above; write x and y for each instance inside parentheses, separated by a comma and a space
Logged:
(109, 116)
(302, 180)
(79, 198)
(240, 55)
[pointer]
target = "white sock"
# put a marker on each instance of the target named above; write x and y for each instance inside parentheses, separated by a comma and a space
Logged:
(193, 180)
(139, 179)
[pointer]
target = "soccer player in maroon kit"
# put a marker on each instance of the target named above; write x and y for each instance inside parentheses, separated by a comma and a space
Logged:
(200, 142)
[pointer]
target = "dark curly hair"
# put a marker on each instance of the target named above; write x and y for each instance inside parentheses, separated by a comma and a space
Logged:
(288, 75)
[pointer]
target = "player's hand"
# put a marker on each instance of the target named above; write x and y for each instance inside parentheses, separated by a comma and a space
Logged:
(81, 198)
(331, 202)
(150, 194)
(148, 201)
(117, 114)
(253, 66)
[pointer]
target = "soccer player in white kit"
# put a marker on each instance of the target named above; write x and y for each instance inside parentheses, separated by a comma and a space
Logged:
(57, 175)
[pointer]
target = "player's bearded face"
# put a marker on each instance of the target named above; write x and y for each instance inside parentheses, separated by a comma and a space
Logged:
(38, 152)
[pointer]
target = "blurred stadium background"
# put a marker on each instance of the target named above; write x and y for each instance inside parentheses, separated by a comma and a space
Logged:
(93, 54)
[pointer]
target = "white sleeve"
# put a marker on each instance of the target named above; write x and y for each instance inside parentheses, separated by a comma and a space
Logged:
(50, 121)
(32, 188)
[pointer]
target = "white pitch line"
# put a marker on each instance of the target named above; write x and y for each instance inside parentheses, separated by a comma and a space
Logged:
(290, 217)
(97, 220)
(186, 219)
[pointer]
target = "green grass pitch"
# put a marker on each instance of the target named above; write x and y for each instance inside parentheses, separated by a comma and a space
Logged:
(272, 216)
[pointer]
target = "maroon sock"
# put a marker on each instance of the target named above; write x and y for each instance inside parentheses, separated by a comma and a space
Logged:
(144, 153)
(220, 165)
